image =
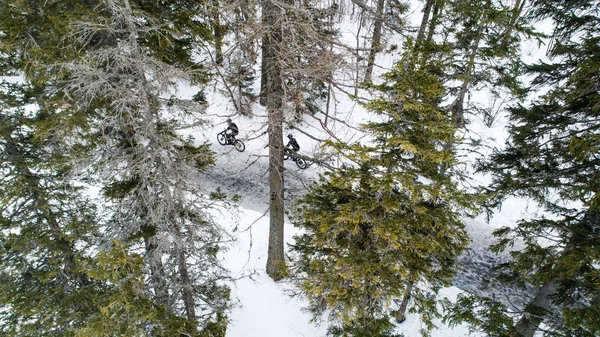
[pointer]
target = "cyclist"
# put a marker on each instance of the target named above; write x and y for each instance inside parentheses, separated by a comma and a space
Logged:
(231, 131)
(293, 146)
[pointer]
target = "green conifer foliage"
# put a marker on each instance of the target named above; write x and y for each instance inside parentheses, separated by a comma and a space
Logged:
(107, 65)
(47, 229)
(125, 310)
(147, 169)
(552, 158)
(388, 219)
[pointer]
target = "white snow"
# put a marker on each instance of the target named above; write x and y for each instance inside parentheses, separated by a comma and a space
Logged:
(266, 310)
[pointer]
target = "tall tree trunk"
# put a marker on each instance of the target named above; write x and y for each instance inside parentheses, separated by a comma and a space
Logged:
(425, 44)
(186, 283)
(154, 260)
(516, 13)
(376, 41)
(153, 254)
(358, 56)
(299, 94)
(437, 8)
(404, 304)
(528, 324)
(330, 77)
(218, 32)
(424, 21)
(264, 64)
(458, 109)
(274, 99)
(458, 118)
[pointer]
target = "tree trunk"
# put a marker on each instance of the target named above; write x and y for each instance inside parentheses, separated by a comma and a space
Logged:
(458, 118)
(376, 41)
(424, 20)
(516, 13)
(273, 95)
(458, 113)
(528, 324)
(264, 64)
(437, 8)
(358, 56)
(186, 283)
(404, 304)
(425, 44)
(218, 32)
(154, 260)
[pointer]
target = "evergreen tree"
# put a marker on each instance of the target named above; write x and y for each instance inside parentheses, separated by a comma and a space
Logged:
(390, 220)
(484, 39)
(310, 61)
(148, 170)
(47, 228)
(125, 310)
(551, 157)
(109, 63)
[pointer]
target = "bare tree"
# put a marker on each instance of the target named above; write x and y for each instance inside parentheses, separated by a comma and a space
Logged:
(296, 47)
(273, 94)
(376, 40)
(148, 170)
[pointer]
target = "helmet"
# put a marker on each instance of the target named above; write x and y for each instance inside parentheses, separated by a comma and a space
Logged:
(228, 120)
(290, 136)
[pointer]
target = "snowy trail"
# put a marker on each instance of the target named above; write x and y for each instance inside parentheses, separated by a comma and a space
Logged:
(246, 174)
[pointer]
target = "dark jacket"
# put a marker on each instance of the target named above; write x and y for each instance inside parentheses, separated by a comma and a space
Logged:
(293, 144)
(234, 128)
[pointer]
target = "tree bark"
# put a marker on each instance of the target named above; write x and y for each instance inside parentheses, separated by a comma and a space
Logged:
(528, 324)
(458, 113)
(186, 283)
(273, 95)
(358, 55)
(404, 304)
(458, 118)
(154, 260)
(264, 64)
(516, 13)
(218, 32)
(376, 41)
(437, 7)
(424, 21)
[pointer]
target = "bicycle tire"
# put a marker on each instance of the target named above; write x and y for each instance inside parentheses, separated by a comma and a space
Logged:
(301, 163)
(221, 138)
(239, 145)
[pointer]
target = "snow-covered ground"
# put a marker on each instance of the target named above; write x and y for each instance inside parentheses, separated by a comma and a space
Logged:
(264, 307)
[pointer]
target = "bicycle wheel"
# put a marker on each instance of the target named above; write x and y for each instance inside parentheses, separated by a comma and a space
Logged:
(301, 163)
(221, 138)
(239, 145)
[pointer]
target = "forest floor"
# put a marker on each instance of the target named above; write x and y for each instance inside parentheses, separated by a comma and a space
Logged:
(246, 175)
